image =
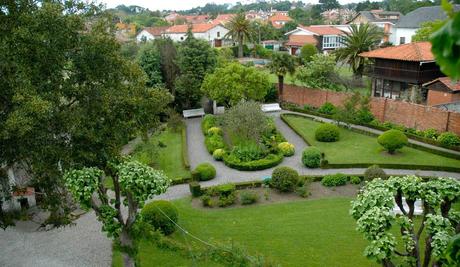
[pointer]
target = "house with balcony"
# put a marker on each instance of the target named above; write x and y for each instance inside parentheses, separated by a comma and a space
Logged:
(399, 72)
(325, 37)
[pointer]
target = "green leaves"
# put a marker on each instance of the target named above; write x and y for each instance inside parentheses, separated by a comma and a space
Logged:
(82, 184)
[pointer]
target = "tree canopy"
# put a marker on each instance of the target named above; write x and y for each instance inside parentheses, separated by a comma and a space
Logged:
(426, 29)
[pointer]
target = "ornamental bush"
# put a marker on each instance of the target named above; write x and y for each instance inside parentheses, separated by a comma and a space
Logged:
(269, 161)
(218, 154)
(373, 172)
(287, 149)
(328, 109)
(204, 172)
(248, 197)
(311, 157)
(334, 180)
(208, 122)
(195, 188)
(214, 142)
(214, 131)
(285, 179)
(449, 139)
(327, 133)
(430, 133)
(162, 215)
(355, 180)
(392, 140)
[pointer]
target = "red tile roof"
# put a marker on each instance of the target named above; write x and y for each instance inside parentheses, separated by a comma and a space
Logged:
(322, 30)
(156, 31)
(279, 17)
(301, 40)
(196, 28)
(454, 86)
(420, 51)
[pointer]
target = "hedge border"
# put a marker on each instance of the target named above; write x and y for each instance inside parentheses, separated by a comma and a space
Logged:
(185, 159)
(252, 166)
(327, 165)
(287, 106)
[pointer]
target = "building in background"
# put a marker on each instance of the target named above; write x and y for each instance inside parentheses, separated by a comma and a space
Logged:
(443, 90)
(213, 33)
(325, 37)
(386, 20)
(151, 33)
(223, 18)
(279, 19)
(338, 15)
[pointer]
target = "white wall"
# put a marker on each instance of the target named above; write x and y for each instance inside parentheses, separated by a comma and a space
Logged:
(210, 35)
(404, 32)
(144, 35)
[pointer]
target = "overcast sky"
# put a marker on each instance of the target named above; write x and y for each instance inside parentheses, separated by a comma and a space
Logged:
(184, 4)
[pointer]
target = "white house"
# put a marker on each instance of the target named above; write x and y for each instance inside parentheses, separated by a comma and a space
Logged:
(23, 196)
(213, 33)
(150, 33)
(324, 37)
(386, 20)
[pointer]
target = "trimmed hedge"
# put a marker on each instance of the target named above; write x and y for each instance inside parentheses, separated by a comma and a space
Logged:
(392, 140)
(204, 172)
(195, 188)
(269, 161)
(311, 157)
(185, 159)
(327, 132)
(218, 154)
(159, 214)
(334, 180)
(208, 122)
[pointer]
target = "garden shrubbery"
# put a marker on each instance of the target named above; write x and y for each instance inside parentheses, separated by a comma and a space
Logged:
(159, 214)
(285, 179)
(248, 197)
(334, 180)
(373, 172)
(287, 149)
(392, 140)
(269, 161)
(204, 172)
(214, 142)
(328, 109)
(208, 122)
(218, 154)
(311, 157)
(327, 133)
(449, 139)
(355, 180)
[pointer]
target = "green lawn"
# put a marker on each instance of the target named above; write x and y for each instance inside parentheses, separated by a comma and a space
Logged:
(168, 158)
(359, 148)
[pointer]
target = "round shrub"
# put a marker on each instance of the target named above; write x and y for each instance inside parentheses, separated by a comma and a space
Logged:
(208, 122)
(449, 139)
(205, 171)
(355, 180)
(430, 133)
(285, 179)
(373, 172)
(287, 149)
(327, 133)
(311, 157)
(214, 142)
(214, 131)
(334, 179)
(218, 154)
(156, 213)
(392, 140)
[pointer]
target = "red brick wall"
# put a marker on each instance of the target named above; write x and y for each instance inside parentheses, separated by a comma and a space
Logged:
(438, 97)
(408, 114)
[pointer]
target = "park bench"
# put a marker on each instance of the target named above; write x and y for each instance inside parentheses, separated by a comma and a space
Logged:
(271, 107)
(189, 113)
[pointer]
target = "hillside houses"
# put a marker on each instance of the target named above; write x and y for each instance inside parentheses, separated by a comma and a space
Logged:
(324, 37)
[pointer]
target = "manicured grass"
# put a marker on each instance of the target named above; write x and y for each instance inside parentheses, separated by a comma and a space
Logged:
(168, 158)
(356, 148)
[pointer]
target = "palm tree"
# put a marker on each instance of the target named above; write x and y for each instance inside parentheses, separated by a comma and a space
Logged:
(281, 64)
(361, 38)
(239, 30)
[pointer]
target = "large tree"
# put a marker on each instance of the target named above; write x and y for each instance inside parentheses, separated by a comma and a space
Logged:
(240, 30)
(169, 68)
(282, 64)
(361, 38)
(68, 96)
(149, 59)
(420, 244)
(426, 29)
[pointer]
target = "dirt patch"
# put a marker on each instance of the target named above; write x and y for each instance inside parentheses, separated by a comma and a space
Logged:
(270, 196)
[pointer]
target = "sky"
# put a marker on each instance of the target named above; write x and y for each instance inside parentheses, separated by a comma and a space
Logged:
(183, 4)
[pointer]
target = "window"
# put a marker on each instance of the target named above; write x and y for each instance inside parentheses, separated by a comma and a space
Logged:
(332, 41)
(402, 40)
(218, 34)
(182, 38)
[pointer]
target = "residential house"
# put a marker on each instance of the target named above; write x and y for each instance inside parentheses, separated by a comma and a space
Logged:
(223, 18)
(411, 22)
(400, 71)
(23, 196)
(197, 19)
(279, 19)
(325, 37)
(443, 90)
(338, 15)
(272, 44)
(213, 33)
(171, 17)
(151, 33)
(257, 15)
(385, 20)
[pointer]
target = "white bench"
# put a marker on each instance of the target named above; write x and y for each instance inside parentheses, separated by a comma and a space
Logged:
(271, 107)
(188, 113)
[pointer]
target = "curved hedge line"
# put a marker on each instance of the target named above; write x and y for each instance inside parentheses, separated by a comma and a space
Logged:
(269, 161)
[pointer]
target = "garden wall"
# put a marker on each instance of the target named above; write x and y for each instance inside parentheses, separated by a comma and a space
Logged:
(399, 112)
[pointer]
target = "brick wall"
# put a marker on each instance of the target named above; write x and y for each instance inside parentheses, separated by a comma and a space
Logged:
(399, 112)
(438, 97)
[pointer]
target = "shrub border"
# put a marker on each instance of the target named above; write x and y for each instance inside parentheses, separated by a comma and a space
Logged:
(185, 159)
(252, 166)
(326, 165)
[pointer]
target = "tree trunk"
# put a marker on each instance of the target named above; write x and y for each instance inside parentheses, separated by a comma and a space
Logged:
(387, 263)
(126, 245)
(240, 47)
(280, 87)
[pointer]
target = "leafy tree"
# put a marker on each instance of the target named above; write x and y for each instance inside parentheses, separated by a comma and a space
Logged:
(282, 64)
(289, 26)
(307, 51)
(169, 68)
(135, 181)
(319, 72)
(239, 30)
(361, 38)
(329, 4)
(263, 31)
(373, 208)
(68, 96)
(150, 61)
(406, 6)
(235, 82)
(426, 30)
(5, 195)
(195, 59)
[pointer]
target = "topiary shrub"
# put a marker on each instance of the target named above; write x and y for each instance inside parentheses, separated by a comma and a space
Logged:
(392, 140)
(327, 133)
(214, 131)
(449, 139)
(334, 180)
(208, 122)
(287, 149)
(218, 154)
(195, 189)
(311, 157)
(248, 197)
(328, 109)
(285, 179)
(204, 172)
(373, 172)
(355, 180)
(156, 213)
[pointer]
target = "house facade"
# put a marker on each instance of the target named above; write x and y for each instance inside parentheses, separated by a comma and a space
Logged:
(279, 19)
(386, 20)
(150, 33)
(325, 37)
(400, 71)
(213, 33)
